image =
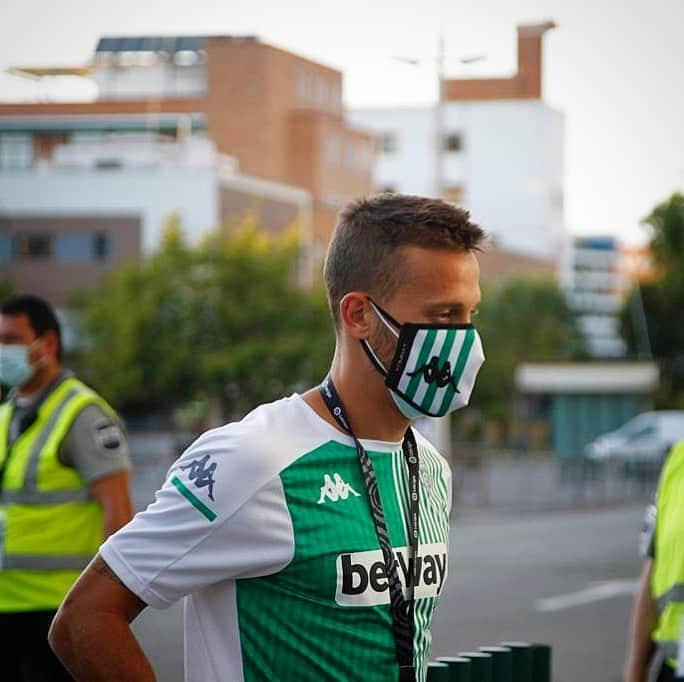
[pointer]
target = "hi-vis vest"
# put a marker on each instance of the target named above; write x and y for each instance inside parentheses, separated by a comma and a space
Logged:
(667, 577)
(49, 526)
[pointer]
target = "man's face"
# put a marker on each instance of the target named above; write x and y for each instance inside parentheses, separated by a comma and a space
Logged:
(437, 287)
(16, 329)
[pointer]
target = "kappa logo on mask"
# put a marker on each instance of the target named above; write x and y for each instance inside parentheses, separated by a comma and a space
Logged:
(433, 374)
(362, 579)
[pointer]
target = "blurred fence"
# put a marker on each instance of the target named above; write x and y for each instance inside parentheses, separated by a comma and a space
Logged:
(482, 480)
(530, 483)
(152, 453)
(506, 662)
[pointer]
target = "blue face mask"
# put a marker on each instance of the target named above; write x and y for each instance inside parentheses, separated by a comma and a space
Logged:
(15, 368)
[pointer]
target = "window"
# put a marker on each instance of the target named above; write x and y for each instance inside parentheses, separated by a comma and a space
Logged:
(16, 151)
(73, 247)
(101, 246)
(108, 164)
(6, 247)
(388, 143)
(88, 137)
(34, 246)
(81, 247)
(647, 432)
(453, 142)
(186, 58)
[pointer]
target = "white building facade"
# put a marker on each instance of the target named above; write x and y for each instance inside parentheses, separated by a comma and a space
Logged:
(103, 200)
(491, 145)
(596, 288)
(502, 160)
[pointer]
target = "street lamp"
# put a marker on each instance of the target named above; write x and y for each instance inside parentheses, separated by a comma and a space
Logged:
(439, 111)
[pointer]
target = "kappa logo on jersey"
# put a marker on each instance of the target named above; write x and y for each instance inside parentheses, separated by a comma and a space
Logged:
(201, 474)
(362, 580)
(426, 477)
(335, 489)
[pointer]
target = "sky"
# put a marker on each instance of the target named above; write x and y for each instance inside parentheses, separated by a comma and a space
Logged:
(613, 67)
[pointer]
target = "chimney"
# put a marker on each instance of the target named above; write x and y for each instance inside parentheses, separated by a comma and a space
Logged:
(530, 58)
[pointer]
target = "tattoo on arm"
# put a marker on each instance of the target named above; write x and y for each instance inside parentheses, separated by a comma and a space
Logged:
(100, 566)
(136, 605)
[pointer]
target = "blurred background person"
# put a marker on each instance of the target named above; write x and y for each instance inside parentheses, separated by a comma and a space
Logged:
(657, 625)
(63, 484)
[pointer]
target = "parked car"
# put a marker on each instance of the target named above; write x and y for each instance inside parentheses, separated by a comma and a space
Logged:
(647, 437)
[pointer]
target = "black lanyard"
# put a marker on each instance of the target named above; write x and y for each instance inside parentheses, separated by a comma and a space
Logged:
(402, 609)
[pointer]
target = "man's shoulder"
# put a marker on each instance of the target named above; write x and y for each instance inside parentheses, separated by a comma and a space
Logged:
(272, 429)
(243, 456)
(427, 447)
(70, 388)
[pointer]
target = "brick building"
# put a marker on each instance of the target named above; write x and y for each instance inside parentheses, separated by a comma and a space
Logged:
(208, 128)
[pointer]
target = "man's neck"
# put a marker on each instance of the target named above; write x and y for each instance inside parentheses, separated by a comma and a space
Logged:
(41, 380)
(366, 399)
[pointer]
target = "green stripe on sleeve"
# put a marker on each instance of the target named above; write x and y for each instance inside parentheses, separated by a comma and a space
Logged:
(192, 499)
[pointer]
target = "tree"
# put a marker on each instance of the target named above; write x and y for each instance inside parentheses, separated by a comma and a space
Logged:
(656, 309)
(6, 289)
(222, 320)
(525, 320)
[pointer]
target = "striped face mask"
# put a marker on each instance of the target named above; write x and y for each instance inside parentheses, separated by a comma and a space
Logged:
(434, 367)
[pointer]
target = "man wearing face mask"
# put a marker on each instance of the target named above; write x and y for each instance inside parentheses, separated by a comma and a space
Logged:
(63, 485)
(310, 539)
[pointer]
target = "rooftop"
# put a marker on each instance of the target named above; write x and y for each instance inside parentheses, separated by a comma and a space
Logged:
(168, 44)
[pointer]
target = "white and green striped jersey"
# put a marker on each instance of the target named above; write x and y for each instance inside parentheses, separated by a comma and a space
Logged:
(265, 526)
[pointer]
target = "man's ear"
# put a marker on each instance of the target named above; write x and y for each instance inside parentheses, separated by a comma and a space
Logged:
(50, 344)
(354, 314)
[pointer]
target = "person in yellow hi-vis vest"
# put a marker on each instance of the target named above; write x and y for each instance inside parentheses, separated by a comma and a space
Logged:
(63, 485)
(658, 611)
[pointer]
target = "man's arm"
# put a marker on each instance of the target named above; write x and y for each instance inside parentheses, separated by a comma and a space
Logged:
(91, 632)
(112, 494)
(643, 622)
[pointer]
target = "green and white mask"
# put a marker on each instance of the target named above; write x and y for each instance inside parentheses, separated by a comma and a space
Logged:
(434, 366)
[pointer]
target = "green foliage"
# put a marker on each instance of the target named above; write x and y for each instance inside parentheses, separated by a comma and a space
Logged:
(6, 289)
(525, 320)
(666, 223)
(658, 308)
(224, 319)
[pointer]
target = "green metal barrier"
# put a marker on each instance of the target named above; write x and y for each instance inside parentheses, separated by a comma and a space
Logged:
(438, 672)
(481, 670)
(459, 668)
(507, 662)
(541, 663)
(522, 660)
(502, 662)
